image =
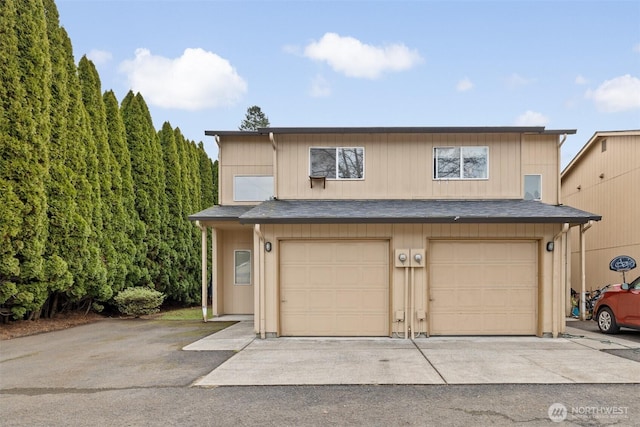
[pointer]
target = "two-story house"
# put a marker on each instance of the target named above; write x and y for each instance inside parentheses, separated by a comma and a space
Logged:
(390, 231)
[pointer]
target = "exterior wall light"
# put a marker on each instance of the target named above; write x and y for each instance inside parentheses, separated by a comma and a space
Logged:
(267, 246)
(550, 246)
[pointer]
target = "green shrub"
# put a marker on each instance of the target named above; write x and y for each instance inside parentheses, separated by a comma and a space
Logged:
(137, 301)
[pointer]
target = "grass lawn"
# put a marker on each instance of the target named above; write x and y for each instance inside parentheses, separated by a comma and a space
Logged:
(189, 313)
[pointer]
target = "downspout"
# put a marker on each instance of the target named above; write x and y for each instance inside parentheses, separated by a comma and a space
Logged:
(275, 164)
(217, 139)
(559, 195)
(554, 290)
(204, 270)
(261, 281)
(583, 276)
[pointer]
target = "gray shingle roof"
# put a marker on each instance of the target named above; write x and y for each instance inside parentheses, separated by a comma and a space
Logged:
(220, 213)
(412, 211)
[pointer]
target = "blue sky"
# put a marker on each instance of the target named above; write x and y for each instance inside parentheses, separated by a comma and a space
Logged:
(201, 64)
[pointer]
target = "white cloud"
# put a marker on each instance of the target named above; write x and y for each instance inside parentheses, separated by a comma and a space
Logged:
(581, 80)
(531, 118)
(464, 85)
(99, 56)
(516, 80)
(618, 94)
(196, 80)
(355, 59)
(320, 87)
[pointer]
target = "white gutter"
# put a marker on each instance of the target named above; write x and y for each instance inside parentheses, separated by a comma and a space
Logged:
(554, 291)
(275, 164)
(583, 275)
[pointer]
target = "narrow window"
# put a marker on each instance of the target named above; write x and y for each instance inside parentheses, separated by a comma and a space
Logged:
(533, 187)
(603, 145)
(242, 260)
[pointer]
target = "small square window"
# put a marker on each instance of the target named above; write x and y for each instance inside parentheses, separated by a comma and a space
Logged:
(242, 262)
(533, 187)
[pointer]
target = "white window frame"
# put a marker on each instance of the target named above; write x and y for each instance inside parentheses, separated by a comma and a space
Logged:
(239, 185)
(524, 186)
(337, 166)
(235, 267)
(461, 149)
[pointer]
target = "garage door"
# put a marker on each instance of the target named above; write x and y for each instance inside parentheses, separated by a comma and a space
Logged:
(334, 288)
(483, 287)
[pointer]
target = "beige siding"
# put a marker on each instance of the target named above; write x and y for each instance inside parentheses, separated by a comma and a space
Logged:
(407, 236)
(606, 183)
(400, 166)
(236, 299)
(247, 155)
(397, 166)
(540, 157)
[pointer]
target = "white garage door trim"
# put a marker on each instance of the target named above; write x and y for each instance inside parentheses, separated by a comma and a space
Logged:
(483, 287)
(334, 288)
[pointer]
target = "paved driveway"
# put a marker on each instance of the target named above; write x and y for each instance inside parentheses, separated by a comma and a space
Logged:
(108, 354)
(135, 373)
(435, 360)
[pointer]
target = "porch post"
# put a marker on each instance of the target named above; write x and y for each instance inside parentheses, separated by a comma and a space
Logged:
(583, 273)
(583, 277)
(203, 228)
(214, 273)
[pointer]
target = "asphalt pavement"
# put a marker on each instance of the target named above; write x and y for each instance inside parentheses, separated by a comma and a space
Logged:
(135, 373)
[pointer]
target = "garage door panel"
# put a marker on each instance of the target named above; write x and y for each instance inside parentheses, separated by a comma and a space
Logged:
(483, 287)
(346, 286)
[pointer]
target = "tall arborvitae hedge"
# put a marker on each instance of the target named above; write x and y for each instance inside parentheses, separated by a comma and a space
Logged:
(132, 228)
(26, 81)
(92, 198)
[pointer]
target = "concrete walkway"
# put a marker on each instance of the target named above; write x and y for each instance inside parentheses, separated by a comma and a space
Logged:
(575, 358)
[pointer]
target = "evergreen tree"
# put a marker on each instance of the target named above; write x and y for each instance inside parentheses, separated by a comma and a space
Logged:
(206, 177)
(147, 171)
(132, 251)
(254, 119)
(90, 281)
(191, 202)
(114, 243)
(215, 182)
(25, 68)
(178, 232)
(68, 231)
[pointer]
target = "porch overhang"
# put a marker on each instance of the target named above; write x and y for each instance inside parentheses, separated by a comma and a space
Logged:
(414, 212)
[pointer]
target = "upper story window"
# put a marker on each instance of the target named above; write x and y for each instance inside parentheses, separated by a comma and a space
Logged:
(461, 162)
(533, 187)
(252, 188)
(337, 162)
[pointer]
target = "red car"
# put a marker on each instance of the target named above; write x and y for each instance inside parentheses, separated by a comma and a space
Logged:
(619, 306)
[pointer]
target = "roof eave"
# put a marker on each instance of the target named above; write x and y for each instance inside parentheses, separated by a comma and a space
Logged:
(422, 220)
